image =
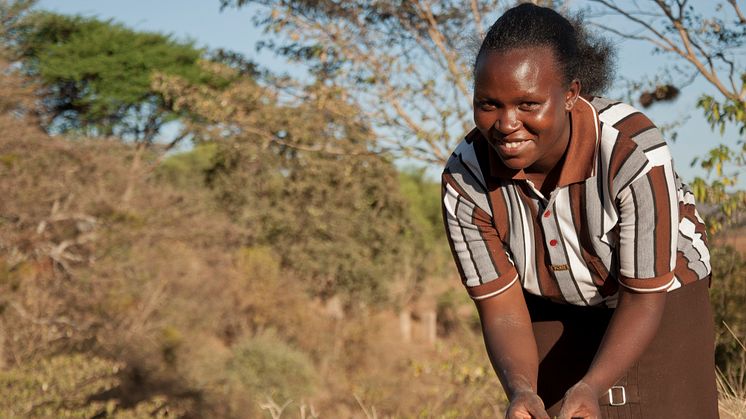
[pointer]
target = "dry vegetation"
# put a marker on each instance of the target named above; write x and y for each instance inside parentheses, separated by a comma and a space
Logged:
(135, 285)
(157, 307)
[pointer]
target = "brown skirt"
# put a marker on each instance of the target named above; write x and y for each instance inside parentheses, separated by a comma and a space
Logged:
(674, 378)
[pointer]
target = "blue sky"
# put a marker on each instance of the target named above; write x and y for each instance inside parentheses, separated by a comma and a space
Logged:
(204, 23)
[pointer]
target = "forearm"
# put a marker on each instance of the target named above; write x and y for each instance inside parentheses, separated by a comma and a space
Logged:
(631, 329)
(510, 341)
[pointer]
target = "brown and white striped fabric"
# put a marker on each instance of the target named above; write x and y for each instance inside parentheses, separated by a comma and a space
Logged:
(619, 215)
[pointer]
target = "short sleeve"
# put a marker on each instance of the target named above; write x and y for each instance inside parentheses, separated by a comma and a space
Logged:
(480, 255)
(648, 227)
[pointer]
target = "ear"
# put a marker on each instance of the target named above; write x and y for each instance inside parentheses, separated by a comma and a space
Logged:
(572, 94)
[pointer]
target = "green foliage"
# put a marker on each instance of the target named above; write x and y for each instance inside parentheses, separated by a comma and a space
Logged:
(722, 163)
(336, 220)
(719, 113)
(70, 386)
(187, 170)
(12, 14)
(98, 74)
(425, 235)
(299, 177)
(265, 366)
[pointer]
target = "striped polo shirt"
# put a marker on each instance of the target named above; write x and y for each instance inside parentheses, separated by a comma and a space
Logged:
(619, 216)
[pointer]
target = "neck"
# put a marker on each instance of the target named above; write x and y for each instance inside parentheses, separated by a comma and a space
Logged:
(546, 174)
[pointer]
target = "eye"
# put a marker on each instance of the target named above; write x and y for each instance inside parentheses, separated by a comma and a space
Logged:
(485, 106)
(529, 106)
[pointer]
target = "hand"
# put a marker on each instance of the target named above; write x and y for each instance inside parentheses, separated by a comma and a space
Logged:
(526, 405)
(581, 401)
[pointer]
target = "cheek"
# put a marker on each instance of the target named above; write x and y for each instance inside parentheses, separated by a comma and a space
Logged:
(483, 120)
(541, 122)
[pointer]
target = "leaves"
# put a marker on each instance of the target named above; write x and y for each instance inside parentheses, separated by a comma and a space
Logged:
(97, 74)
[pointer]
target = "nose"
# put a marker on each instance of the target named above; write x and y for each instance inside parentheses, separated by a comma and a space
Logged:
(507, 121)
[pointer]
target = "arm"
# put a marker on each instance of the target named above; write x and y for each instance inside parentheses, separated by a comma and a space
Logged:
(510, 343)
(491, 279)
(632, 328)
(648, 226)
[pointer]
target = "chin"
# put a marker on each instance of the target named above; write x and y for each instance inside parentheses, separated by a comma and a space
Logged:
(515, 163)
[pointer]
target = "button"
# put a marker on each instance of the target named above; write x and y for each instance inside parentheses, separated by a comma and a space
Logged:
(552, 242)
(547, 214)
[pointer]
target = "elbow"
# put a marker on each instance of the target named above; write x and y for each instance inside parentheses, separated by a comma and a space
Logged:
(649, 305)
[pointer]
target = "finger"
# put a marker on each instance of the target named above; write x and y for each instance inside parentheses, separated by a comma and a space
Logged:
(523, 413)
(579, 413)
(569, 410)
(517, 415)
(538, 412)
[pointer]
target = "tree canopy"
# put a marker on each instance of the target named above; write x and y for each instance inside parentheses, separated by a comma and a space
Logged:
(707, 40)
(405, 63)
(97, 74)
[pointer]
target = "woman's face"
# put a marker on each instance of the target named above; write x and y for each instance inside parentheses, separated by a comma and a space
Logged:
(521, 105)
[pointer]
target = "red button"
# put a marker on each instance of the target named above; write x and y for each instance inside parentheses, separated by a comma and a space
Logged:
(552, 242)
(547, 214)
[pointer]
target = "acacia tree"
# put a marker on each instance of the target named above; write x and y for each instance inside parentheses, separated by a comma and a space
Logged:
(406, 63)
(17, 92)
(97, 74)
(708, 40)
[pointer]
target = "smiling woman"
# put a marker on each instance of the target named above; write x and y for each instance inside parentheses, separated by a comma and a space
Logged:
(520, 107)
(580, 245)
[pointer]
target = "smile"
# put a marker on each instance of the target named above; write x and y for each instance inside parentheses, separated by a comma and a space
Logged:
(511, 148)
(514, 144)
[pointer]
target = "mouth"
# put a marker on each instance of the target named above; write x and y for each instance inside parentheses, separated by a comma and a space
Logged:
(511, 147)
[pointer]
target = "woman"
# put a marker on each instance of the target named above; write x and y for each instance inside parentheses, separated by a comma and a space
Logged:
(578, 242)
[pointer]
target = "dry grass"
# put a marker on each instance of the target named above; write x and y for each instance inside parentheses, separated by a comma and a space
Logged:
(163, 287)
(735, 238)
(165, 311)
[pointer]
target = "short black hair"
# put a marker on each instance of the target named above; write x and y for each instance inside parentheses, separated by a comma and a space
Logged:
(580, 54)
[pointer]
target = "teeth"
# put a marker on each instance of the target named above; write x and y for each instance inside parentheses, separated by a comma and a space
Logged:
(514, 144)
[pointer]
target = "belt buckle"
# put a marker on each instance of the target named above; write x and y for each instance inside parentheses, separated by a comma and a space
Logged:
(611, 396)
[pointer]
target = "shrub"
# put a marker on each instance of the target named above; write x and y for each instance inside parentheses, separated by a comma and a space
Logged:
(267, 367)
(728, 296)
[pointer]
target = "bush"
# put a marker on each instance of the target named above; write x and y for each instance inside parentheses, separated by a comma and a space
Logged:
(72, 386)
(267, 367)
(728, 296)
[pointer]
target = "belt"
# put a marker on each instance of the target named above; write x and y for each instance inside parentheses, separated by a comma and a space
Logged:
(620, 394)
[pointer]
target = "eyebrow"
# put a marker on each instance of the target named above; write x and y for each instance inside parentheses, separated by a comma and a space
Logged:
(530, 97)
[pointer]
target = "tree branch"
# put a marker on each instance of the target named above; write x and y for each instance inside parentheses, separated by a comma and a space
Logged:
(710, 74)
(686, 52)
(741, 17)
(324, 149)
(477, 18)
(437, 36)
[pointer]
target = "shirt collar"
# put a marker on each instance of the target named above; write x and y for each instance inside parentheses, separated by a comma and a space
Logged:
(582, 149)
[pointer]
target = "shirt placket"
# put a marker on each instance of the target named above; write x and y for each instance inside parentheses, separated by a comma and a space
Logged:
(559, 265)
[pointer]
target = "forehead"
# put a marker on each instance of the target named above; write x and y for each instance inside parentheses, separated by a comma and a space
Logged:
(529, 70)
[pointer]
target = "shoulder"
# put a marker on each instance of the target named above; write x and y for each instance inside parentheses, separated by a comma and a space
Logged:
(464, 173)
(465, 154)
(624, 117)
(628, 122)
(631, 144)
